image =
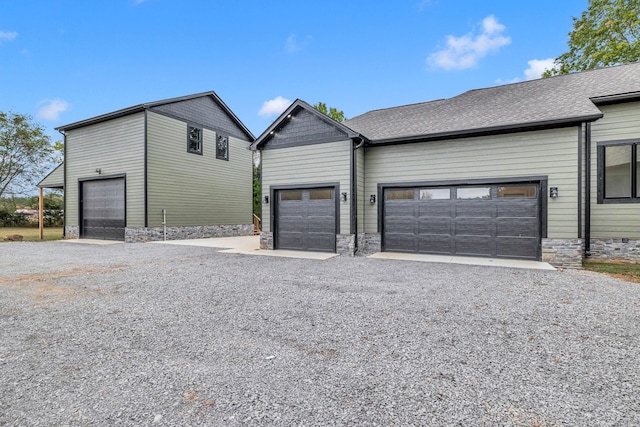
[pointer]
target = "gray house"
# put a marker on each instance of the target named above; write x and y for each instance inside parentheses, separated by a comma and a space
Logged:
(177, 168)
(542, 170)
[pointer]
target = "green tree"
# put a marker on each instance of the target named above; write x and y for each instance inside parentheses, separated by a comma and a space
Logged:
(25, 151)
(334, 113)
(606, 34)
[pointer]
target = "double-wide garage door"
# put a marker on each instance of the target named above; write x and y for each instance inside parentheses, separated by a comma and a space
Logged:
(306, 219)
(103, 209)
(501, 221)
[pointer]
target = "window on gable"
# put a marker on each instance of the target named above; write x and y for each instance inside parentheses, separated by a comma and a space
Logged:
(222, 147)
(194, 140)
(618, 174)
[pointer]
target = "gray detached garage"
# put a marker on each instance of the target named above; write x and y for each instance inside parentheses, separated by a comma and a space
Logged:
(499, 220)
(103, 209)
(305, 219)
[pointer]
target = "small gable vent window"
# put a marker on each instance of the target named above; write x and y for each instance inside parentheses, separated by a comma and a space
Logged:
(222, 147)
(194, 140)
(619, 172)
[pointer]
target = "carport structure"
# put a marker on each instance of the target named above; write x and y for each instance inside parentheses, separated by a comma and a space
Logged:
(54, 181)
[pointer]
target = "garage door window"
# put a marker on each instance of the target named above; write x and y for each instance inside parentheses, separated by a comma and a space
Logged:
(435, 194)
(291, 195)
(399, 194)
(517, 191)
(320, 194)
(474, 193)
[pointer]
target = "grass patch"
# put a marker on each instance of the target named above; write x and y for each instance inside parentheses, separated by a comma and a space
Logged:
(32, 234)
(620, 270)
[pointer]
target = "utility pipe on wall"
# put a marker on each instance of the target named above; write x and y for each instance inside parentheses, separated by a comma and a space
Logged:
(164, 223)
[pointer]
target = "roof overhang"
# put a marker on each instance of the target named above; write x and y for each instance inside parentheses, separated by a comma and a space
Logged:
(616, 99)
(142, 107)
(495, 130)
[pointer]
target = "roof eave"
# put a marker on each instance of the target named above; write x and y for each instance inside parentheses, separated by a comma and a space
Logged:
(494, 130)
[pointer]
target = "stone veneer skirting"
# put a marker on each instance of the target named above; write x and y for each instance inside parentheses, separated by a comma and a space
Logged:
(71, 232)
(148, 234)
(615, 250)
(563, 253)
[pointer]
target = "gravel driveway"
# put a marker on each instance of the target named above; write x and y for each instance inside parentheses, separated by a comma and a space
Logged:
(143, 334)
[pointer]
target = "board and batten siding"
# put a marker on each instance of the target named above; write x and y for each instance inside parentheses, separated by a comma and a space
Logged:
(620, 122)
(115, 147)
(196, 189)
(552, 153)
(324, 163)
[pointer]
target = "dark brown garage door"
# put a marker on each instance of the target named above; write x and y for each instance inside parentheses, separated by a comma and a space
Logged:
(501, 221)
(103, 209)
(306, 219)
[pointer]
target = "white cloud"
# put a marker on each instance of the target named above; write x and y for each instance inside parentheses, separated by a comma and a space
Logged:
(274, 106)
(465, 52)
(422, 5)
(51, 108)
(537, 67)
(293, 45)
(6, 36)
(535, 70)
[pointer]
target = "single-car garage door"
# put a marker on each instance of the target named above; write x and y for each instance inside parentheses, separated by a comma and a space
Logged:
(306, 219)
(103, 209)
(501, 221)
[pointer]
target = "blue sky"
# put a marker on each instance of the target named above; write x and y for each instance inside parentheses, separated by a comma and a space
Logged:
(63, 61)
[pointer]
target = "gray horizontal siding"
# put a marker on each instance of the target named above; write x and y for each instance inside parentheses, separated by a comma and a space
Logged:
(308, 164)
(620, 122)
(115, 147)
(54, 179)
(196, 189)
(551, 153)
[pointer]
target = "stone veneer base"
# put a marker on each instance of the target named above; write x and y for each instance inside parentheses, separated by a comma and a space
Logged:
(563, 253)
(149, 234)
(625, 250)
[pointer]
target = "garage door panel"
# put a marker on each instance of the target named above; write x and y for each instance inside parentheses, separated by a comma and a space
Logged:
(103, 209)
(320, 225)
(399, 209)
(306, 220)
(475, 227)
(435, 244)
(435, 226)
(433, 209)
(401, 224)
(517, 227)
(528, 209)
(516, 247)
(475, 209)
(504, 223)
(475, 246)
(400, 242)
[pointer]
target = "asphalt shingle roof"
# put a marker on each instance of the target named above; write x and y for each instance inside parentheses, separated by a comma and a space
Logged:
(554, 100)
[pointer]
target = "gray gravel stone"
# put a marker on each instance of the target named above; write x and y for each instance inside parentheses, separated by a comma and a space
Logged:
(147, 334)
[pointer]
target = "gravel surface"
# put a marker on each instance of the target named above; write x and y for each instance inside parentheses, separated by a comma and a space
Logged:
(148, 334)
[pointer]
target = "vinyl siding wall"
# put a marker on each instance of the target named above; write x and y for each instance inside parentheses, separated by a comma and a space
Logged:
(196, 189)
(309, 164)
(116, 147)
(552, 153)
(620, 122)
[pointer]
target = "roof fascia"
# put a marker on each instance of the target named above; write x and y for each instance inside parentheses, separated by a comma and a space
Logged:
(617, 98)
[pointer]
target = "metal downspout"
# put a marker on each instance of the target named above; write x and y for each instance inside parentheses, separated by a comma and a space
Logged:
(587, 193)
(354, 192)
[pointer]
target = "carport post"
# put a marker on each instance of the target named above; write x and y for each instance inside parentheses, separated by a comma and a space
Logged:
(41, 214)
